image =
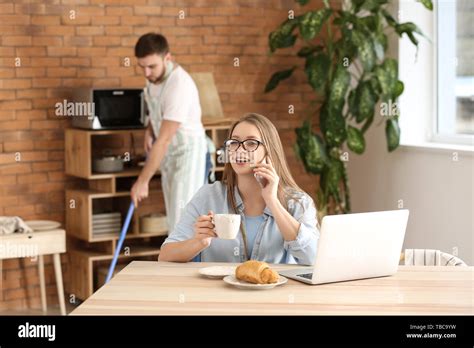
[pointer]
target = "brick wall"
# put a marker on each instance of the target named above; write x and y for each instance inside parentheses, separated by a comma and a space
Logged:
(45, 52)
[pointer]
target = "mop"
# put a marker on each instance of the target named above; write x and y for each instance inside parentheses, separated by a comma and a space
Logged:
(123, 233)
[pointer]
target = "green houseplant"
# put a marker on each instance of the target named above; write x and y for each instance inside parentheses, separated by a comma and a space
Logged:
(350, 75)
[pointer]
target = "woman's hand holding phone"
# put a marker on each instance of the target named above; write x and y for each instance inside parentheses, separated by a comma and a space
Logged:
(268, 179)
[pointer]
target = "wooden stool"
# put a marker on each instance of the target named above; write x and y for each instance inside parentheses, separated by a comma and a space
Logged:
(38, 244)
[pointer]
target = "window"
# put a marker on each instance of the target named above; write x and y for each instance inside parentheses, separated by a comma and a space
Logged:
(455, 70)
(437, 106)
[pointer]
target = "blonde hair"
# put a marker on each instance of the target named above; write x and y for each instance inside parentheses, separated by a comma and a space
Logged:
(287, 186)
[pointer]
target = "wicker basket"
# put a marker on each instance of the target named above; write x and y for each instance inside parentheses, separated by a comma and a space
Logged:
(154, 223)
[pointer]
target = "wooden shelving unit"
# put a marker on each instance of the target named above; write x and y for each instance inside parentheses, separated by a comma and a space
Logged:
(99, 193)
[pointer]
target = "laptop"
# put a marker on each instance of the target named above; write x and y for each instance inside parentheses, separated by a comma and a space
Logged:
(356, 246)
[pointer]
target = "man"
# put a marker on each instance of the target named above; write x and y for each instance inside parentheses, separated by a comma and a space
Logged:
(175, 139)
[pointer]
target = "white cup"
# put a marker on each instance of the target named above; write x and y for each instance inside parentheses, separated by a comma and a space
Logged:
(227, 225)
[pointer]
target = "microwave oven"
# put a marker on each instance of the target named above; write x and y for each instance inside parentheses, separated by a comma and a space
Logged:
(109, 108)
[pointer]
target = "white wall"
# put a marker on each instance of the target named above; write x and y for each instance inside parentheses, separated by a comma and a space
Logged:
(438, 191)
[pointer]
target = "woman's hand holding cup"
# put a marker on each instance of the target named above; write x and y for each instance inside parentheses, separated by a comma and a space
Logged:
(204, 229)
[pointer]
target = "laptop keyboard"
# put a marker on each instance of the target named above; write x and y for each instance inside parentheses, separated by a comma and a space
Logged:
(306, 275)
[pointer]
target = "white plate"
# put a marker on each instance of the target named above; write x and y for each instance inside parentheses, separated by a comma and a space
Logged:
(101, 224)
(241, 284)
(217, 271)
(42, 225)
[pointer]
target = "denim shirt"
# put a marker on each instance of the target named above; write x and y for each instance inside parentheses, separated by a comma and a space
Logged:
(269, 244)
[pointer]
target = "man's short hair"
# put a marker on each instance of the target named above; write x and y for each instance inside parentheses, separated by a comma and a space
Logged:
(151, 43)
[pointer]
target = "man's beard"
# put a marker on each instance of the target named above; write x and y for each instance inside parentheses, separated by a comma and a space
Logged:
(159, 78)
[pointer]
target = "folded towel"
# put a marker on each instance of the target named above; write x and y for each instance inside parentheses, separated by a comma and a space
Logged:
(430, 257)
(13, 224)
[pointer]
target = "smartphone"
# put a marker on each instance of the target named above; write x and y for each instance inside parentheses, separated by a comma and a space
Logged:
(261, 180)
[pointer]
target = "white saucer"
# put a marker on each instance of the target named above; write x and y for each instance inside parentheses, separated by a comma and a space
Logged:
(217, 272)
(42, 225)
(250, 286)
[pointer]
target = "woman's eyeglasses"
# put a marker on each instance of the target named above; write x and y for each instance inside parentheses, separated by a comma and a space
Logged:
(248, 144)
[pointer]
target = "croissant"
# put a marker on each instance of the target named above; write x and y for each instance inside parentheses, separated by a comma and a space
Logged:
(256, 272)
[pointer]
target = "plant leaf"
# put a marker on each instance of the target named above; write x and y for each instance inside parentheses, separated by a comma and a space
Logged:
(370, 22)
(375, 85)
(339, 88)
(365, 50)
(345, 45)
(316, 69)
(346, 16)
(323, 116)
(380, 45)
(407, 27)
(372, 5)
(335, 123)
(283, 37)
(367, 123)
(351, 102)
(335, 128)
(355, 140)
(399, 87)
(412, 38)
(316, 158)
(356, 4)
(379, 51)
(277, 77)
(387, 75)
(279, 41)
(427, 3)
(307, 50)
(392, 132)
(331, 176)
(311, 22)
(367, 99)
(311, 149)
(388, 17)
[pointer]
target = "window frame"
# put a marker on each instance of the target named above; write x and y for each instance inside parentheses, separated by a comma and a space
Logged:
(420, 129)
(438, 123)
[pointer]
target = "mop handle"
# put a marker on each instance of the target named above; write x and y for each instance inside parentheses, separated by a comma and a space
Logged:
(123, 233)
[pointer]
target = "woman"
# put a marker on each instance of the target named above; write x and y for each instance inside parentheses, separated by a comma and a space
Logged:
(278, 219)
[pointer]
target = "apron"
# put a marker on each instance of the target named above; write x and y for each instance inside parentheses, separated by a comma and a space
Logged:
(183, 167)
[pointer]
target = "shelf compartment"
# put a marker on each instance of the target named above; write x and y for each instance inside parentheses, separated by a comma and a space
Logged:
(89, 202)
(84, 262)
(135, 171)
(102, 185)
(85, 144)
(124, 183)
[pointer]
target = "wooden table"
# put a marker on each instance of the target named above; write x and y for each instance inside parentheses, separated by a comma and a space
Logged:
(36, 245)
(165, 288)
